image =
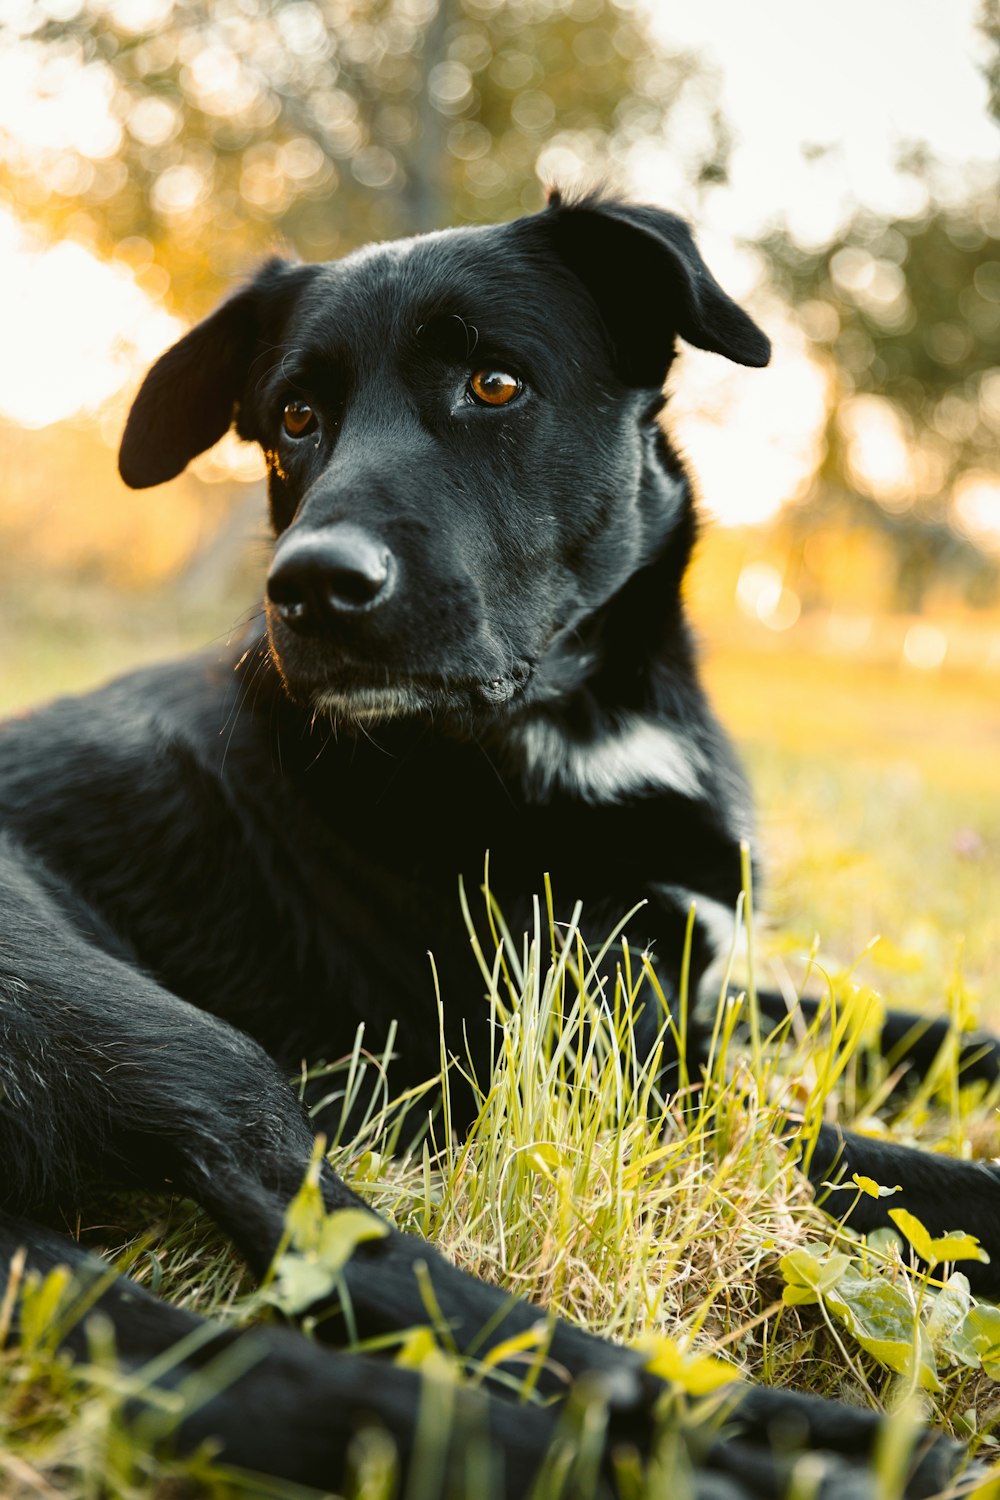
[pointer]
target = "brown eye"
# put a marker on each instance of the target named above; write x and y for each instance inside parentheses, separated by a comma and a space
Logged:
(297, 418)
(494, 387)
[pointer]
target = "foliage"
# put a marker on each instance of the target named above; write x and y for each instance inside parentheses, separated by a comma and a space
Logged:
(332, 122)
(913, 1325)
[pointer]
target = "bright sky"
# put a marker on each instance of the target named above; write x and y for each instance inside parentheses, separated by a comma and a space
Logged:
(852, 81)
(75, 329)
(857, 79)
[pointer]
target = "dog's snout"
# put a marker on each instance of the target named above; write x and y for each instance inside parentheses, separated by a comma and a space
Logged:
(327, 573)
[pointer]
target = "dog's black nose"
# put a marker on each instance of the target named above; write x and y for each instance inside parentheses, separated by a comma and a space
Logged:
(329, 572)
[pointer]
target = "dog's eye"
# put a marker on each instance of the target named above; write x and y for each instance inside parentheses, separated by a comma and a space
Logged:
(494, 387)
(297, 418)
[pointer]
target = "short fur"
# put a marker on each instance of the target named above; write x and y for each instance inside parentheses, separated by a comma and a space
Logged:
(215, 868)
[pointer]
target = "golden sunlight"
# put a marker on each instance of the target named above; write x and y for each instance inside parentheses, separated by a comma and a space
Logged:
(977, 505)
(753, 436)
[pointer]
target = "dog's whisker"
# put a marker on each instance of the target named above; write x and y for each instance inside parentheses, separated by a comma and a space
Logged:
(263, 657)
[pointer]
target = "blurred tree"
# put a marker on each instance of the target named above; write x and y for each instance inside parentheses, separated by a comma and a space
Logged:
(989, 24)
(906, 315)
(205, 129)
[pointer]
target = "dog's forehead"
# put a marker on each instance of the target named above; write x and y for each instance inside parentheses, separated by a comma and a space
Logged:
(387, 291)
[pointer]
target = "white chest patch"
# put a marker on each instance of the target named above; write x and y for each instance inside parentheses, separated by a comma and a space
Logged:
(633, 754)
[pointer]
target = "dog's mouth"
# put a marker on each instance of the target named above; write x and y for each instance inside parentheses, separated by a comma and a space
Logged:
(358, 697)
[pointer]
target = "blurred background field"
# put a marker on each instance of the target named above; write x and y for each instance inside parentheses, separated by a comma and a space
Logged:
(845, 181)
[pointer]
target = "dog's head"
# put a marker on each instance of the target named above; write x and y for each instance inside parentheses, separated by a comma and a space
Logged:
(461, 441)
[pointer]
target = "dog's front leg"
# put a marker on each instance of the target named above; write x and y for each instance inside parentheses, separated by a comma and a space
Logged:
(285, 1406)
(270, 1401)
(945, 1194)
(106, 1075)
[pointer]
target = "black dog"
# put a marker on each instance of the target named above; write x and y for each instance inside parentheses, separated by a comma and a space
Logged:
(475, 641)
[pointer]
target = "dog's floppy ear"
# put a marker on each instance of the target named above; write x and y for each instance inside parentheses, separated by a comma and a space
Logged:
(189, 398)
(645, 272)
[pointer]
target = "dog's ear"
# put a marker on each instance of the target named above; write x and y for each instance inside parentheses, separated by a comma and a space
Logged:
(188, 400)
(645, 272)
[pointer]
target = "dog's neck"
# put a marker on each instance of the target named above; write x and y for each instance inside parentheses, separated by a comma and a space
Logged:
(626, 727)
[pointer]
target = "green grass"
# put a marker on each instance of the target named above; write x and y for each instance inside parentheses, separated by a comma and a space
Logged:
(678, 1223)
(878, 792)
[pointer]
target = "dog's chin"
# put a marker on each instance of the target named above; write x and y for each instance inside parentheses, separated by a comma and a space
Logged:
(461, 705)
(349, 698)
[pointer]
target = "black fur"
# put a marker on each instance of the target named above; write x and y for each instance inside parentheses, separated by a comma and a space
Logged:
(475, 641)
